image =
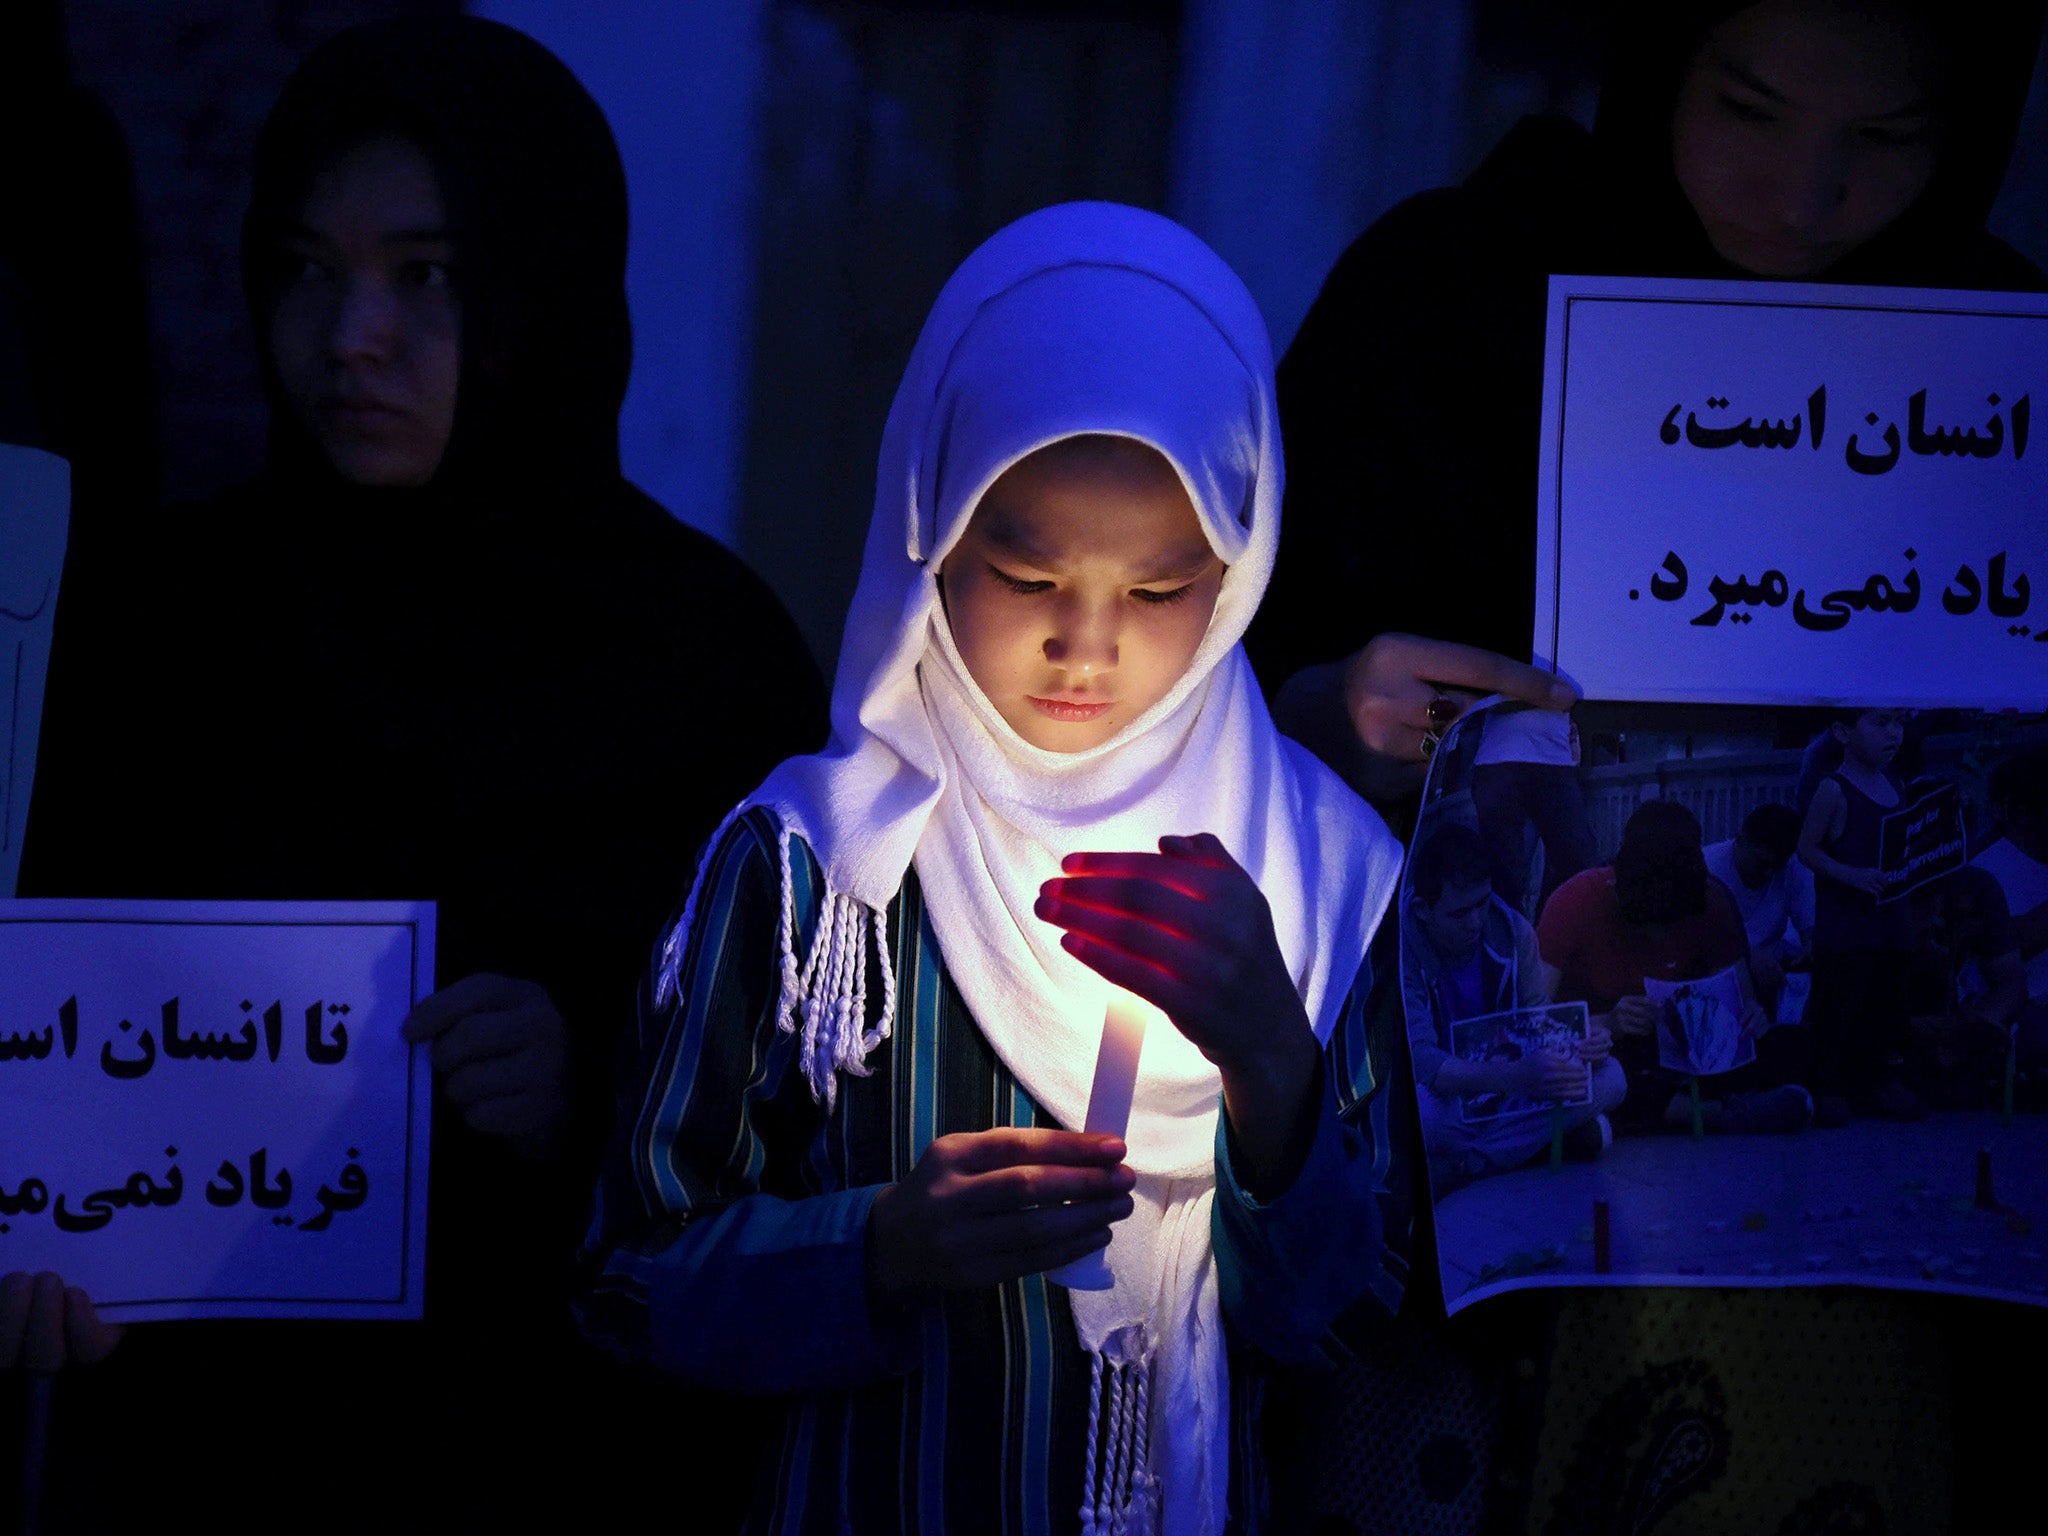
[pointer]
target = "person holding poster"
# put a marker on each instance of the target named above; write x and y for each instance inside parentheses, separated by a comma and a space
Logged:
(1800, 139)
(1861, 939)
(1656, 916)
(850, 1153)
(438, 649)
(1734, 138)
(1465, 954)
(2018, 860)
(1759, 867)
(1968, 990)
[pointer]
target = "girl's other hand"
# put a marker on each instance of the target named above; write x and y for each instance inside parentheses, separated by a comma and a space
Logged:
(983, 1207)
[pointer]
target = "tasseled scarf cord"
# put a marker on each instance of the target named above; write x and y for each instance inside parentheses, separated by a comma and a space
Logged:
(826, 991)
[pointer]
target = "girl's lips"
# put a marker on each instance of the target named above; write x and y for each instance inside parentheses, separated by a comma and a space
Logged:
(1066, 709)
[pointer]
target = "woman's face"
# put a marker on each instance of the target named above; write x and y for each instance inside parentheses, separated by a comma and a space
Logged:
(1081, 590)
(366, 331)
(1802, 130)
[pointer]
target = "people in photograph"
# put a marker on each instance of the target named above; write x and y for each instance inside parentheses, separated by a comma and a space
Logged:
(1654, 913)
(1465, 953)
(2018, 861)
(1862, 930)
(849, 1162)
(1525, 779)
(437, 648)
(1760, 868)
(1968, 990)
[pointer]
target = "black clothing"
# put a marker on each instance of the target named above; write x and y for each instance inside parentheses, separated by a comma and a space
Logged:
(1397, 517)
(523, 691)
(1403, 515)
(75, 372)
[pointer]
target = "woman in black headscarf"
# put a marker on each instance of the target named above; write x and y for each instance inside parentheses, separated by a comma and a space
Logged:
(1411, 397)
(438, 648)
(1831, 140)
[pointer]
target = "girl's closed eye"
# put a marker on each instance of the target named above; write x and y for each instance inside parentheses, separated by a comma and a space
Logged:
(1018, 584)
(1748, 111)
(1178, 594)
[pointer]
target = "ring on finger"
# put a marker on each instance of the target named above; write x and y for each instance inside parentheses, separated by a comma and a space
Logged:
(1440, 712)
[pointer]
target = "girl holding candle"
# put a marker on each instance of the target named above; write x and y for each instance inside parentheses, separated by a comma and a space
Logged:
(848, 1160)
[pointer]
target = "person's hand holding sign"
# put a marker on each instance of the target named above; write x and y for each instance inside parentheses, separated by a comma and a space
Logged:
(1187, 930)
(1552, 1077)
(502, 1051)
(46, 1325)
(1393, 699)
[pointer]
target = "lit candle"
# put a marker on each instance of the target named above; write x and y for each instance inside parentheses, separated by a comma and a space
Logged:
(1109, 1114)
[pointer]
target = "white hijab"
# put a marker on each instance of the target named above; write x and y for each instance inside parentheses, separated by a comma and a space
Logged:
(1083, 318)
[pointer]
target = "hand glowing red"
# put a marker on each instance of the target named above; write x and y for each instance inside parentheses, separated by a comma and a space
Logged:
(1187, 930)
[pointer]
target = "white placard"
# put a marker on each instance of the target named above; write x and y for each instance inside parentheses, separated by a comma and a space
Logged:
(207, 1110)
(1795, 493)
(35, 517)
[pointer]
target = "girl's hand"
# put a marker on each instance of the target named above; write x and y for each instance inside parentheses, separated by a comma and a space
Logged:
(1597, 1046)
(1187, 930)
(983, 1207)
(45, 1325)
(1871, 882)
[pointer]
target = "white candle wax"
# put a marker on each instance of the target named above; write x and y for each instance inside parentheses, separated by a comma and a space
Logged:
(1109, 1114)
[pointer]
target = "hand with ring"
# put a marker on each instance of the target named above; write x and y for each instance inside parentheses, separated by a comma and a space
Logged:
(1403, 692)
(1442, 713)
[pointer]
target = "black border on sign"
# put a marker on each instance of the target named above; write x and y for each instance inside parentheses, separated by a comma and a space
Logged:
(411, 926)
(1564, 376)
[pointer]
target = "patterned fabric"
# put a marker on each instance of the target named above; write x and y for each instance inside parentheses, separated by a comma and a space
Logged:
(1698, 1411)
(728, 1241)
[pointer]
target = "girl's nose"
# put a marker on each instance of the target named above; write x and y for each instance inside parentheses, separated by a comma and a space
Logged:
(1083, 642)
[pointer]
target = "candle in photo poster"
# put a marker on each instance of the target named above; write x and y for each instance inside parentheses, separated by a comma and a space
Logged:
(1109, 1113)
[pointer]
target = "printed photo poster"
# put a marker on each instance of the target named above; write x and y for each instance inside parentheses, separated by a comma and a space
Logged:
(1626, 908)
(1506, 1039)
(1699, 1024)
(208, 1108)
(1922, 842)
(35, 515)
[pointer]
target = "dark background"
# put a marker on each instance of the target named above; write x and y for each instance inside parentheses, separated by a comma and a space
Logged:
(805, 173)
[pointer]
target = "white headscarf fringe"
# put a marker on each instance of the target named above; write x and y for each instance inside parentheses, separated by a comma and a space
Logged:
(826, 991)
(1119, 1495)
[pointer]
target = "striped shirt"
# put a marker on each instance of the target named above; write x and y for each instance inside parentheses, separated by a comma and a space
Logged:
(728, 1241)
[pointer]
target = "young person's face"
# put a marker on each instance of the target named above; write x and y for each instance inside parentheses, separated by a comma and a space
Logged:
(1803, 129)
(1456, 921)
(1875, 737)
(366, 331)
(1080, 591)
(1757, 867)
